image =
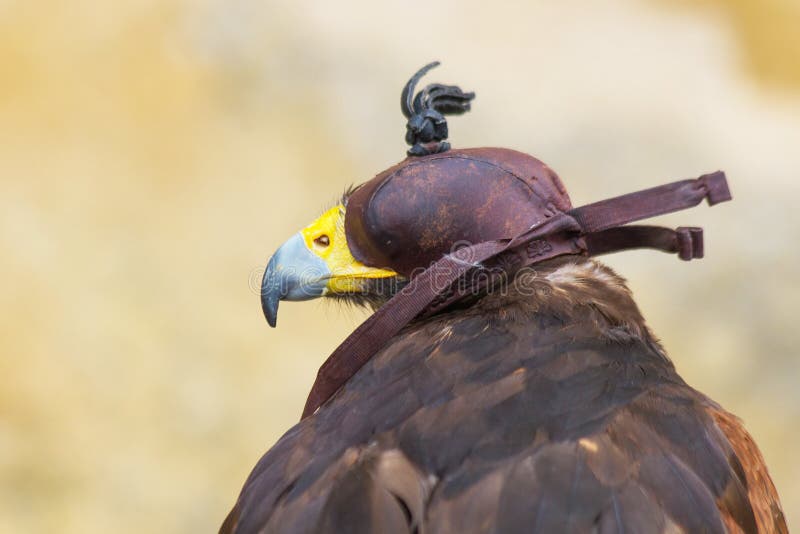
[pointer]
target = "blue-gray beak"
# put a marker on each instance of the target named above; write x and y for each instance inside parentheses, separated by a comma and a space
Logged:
(293, 273)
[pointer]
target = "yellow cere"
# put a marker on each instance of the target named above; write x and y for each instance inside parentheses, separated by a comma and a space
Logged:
(346, 271)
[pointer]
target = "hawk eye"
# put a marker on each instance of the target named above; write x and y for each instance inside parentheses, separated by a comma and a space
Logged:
(322, 241)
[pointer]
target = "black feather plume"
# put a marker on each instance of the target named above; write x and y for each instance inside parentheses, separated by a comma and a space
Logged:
(426, 129)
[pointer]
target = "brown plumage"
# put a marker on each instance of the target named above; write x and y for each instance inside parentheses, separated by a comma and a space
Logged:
(549, 407)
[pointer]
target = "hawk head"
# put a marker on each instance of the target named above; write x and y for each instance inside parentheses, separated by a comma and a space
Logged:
(394, 226)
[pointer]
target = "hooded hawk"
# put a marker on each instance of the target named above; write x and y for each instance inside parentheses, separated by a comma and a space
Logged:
(537, 400)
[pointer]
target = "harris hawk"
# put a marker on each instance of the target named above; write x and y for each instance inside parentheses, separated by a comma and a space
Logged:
(507, 382)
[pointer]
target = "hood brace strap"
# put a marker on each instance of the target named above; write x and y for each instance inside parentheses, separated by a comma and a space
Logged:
(589, 230)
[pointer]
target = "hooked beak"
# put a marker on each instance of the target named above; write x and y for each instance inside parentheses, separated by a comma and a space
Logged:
(293, 273)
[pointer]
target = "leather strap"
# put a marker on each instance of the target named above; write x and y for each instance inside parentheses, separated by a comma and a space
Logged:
(686, 241)
(652, 202)
(589, 230)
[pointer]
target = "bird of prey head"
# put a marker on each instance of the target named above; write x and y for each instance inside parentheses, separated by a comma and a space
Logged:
(316, 262)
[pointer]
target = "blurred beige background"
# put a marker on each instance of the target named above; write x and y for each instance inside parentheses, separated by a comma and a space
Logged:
(153, 154)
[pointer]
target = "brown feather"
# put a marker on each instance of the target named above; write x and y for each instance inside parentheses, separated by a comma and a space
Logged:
(549, 407)
(761, 491)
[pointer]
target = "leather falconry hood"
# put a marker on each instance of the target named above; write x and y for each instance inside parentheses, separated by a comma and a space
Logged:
(412, 214)
(455, 221)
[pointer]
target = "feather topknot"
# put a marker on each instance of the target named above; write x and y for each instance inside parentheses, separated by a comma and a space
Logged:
(426, 129)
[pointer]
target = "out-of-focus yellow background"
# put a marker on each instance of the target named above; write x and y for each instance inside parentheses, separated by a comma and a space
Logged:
(153, 154)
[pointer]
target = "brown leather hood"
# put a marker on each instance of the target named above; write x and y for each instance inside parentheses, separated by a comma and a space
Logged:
(412, 214)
